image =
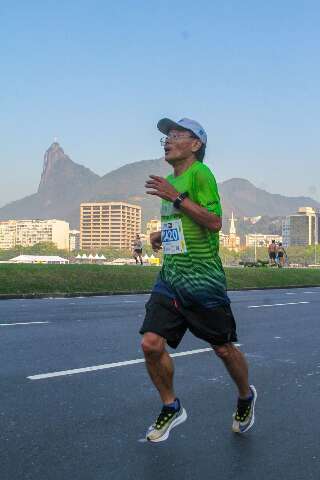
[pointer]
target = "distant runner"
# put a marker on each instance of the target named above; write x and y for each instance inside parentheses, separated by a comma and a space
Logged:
(190, 292)
(137, 250)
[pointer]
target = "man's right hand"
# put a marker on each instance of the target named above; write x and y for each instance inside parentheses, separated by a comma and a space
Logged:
(155, 240)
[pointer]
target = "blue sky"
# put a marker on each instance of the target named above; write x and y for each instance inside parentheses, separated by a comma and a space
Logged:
(98, 75)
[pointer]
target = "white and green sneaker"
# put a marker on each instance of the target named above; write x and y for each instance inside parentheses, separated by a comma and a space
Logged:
(243, 418)
(167, 419)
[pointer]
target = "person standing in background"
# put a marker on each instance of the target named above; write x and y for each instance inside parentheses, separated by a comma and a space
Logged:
(272, 253)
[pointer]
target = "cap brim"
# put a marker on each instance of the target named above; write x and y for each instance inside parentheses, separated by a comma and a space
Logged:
(165, 125)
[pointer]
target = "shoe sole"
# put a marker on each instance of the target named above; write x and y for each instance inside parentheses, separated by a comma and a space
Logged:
(177, 421)
(255, 396)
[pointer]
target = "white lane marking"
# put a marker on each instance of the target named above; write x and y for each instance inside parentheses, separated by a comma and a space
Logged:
(20, 323)
(276, 304)
(62, 373)
(310, 292)
(290, 293)
(130, 301)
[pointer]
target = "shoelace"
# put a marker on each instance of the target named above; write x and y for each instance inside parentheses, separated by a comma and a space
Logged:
(243, 409)
(165, 415)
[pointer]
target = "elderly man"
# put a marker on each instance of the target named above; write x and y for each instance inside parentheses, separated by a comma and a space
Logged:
(190, 292)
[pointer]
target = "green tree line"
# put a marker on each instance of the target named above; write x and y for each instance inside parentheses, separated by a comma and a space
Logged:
(301, 255)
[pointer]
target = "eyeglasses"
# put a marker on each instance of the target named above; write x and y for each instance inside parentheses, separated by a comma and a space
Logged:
(173, 137)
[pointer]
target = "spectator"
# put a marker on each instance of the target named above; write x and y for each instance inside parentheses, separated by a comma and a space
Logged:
(272, 253)
(281, 255)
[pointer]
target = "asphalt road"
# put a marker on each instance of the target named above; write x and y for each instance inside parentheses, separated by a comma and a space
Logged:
(90, 424)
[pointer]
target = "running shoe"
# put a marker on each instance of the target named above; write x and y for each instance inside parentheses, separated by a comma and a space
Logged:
(167, 419)
(243, 418)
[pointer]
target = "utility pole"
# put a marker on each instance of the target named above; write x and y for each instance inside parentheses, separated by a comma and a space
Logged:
(255, 247)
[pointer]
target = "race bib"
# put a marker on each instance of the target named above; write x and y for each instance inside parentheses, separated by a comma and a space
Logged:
(172, 237)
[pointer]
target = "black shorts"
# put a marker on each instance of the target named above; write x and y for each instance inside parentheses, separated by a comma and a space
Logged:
(167, 318)
(280, 254)
(272, 255)
(138, 251)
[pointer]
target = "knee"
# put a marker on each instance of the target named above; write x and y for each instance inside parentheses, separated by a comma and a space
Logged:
(223, 351)
(152, 344)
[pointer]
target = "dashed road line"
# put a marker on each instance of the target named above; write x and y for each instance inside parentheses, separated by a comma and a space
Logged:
(20, 323)
(277, 304)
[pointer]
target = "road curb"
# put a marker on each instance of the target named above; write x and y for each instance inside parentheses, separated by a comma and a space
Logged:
(135, 292)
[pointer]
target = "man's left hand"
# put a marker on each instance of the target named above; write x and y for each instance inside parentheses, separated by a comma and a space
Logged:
(161, 188)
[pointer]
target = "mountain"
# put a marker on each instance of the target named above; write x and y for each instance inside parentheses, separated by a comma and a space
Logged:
(245, 199)
(64, 184)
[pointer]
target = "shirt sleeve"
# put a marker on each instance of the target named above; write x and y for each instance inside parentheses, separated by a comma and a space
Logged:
(206, 191)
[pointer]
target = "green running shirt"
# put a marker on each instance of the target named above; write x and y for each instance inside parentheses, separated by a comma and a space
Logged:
(197, 275)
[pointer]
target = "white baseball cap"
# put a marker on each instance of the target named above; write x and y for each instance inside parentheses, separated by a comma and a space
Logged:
(165, 125)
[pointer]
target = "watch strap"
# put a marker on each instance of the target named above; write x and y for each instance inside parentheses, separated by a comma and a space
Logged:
(179, 199)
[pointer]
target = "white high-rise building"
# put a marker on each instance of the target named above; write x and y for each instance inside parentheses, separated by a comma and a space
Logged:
(8, 234)
(27, 233)
(74, 240)
(302, 228)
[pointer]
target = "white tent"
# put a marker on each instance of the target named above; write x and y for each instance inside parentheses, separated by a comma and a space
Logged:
(84, 255)
(146, 257)
(96, 257)
(54, 259)
(78, 256)
(91, 256)
(102, 257)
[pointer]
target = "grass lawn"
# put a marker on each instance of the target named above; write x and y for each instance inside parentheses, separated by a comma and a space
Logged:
(64, 279)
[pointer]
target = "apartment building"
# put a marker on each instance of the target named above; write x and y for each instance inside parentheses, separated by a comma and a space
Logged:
(109, 224)
(302, 228)
(7, 234)
(74, 240)
(154, 225)
(27, 233)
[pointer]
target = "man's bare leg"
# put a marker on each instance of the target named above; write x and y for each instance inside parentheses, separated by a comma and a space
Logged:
(159, 365)
(236, 365)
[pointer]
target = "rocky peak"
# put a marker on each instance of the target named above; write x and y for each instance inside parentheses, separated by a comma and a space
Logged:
(52, 156)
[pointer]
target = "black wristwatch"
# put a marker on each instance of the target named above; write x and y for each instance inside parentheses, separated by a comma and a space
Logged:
(180, 199)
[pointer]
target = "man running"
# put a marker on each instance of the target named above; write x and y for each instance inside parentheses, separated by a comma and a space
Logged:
(190, 292)
(137, 250)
